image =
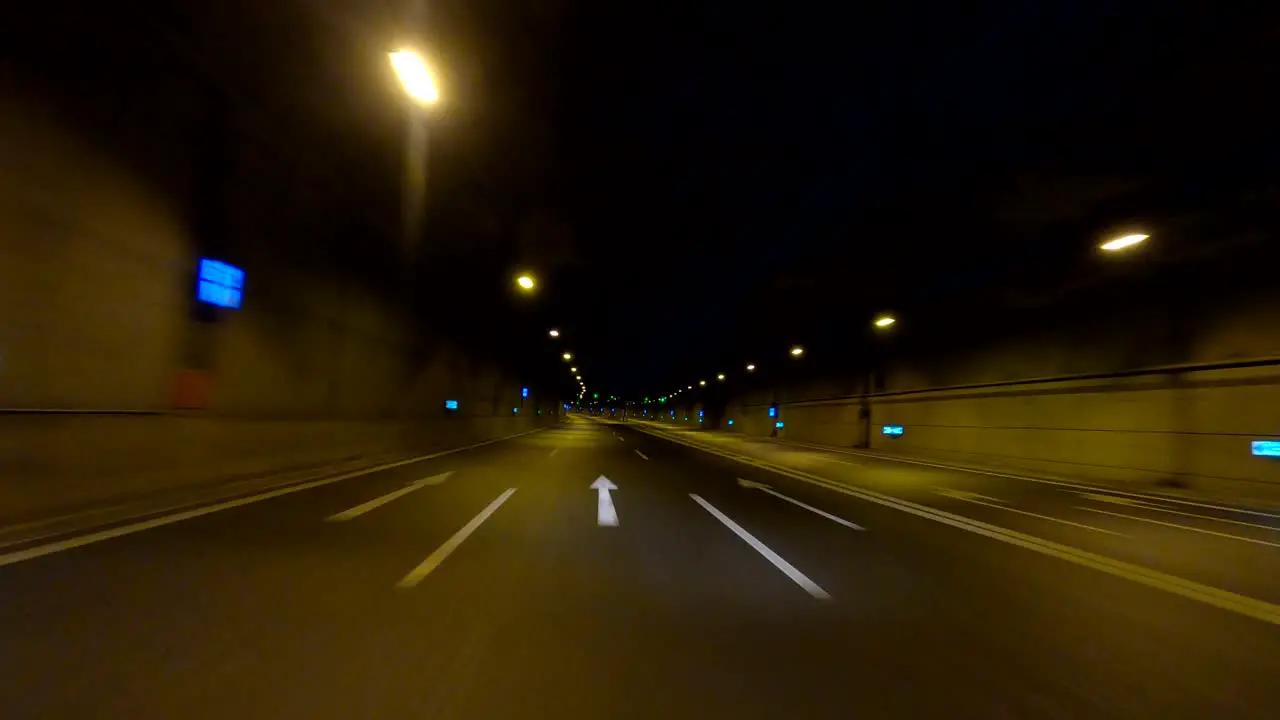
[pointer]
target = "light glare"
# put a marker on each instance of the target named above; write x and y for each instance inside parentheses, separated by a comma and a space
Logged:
(415, 76)
(1123, 242)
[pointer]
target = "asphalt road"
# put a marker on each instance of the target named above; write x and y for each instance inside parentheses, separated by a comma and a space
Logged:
(483, 584)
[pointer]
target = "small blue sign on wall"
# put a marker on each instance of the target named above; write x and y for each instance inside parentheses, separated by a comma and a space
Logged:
(450, 404)
(220, 284)
(1266, 448)
(892, 430)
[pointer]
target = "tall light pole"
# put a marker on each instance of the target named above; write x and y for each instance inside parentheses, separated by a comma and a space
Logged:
(420, 88)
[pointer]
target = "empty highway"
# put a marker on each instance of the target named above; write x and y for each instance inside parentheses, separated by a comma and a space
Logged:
(619, 570)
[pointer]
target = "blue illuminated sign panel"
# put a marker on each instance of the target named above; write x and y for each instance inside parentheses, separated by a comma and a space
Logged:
(778, 424)
(1266, 448)
(893, 430)
(524, 392)
(699, 413)
(220, 284)
(773, 412)
(515, 411)
(450, 404)
(730, 422)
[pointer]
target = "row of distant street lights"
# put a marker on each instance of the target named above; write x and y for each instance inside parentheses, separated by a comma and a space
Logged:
(886, 321)
(419, 83)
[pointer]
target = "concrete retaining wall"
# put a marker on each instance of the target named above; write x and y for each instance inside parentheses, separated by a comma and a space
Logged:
(1191, 428)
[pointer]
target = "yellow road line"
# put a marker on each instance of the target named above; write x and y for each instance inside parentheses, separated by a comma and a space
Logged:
(1222, 599)
(1181, 527)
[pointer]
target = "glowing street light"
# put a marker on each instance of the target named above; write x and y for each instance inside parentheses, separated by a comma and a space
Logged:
(578, 378)
(567, 356)
(751, 368)
(1122, 242)
(525, 282)
(797, 351)
(689, 387)
(573, 369)
(720, 377)
(415, 76)
(702, 383)
(554, 333)
(885, 321)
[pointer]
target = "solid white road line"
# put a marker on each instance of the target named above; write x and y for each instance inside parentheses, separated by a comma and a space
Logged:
(972, 498)
(1181, 527)
(765, 488)
(1043, 481)
(1144, 505)
(433, 560)
(1223, 599)
(646, 457)
(787, 568)
(378, 502)
(115, 532)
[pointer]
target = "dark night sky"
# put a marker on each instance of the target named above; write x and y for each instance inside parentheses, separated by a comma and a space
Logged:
(700, 183)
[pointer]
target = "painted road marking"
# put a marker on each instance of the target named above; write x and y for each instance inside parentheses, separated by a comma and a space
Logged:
(606, 515)
(765, 488)
(787, 568)
(998, 504)
(433, 560)
(1028, 478)
(1221, 599)
(1181, 527)
(115, 532)
(378, 502)
(646, 457)
(553, 452)
(1144, 505)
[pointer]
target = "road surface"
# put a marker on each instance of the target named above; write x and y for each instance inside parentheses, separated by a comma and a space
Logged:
(599, 570)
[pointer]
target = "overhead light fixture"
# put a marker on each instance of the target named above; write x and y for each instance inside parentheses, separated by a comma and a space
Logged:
(720, 377)
(567, 356)
(885, 321)
(797, 351)
(1122, 242)
(751, 368)
(553, 332)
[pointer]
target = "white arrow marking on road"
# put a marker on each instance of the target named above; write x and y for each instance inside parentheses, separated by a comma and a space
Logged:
(378, 502)
(765, 488)
(606, 516)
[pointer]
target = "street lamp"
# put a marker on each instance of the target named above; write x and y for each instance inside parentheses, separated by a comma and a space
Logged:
(751, 368)
(797, 351)
(554, 333)
(720, 377)
(702, 383)
(525, 282)
(415, 76)
(567, 356)
(573, 369)
(1122, 242)
(885, 321)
